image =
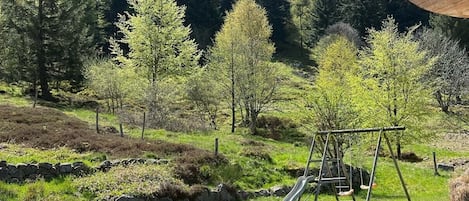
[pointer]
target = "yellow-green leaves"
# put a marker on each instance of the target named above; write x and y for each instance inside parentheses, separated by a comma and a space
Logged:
(332, 99)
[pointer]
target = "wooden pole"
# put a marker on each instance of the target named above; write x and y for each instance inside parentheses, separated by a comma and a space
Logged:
(434, 164)
(121, 130)
(97, 119)
(143, 126)
(216, 146)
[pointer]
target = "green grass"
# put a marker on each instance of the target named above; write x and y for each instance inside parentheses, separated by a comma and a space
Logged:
(259, 173)
(18, 154)
(59, 189)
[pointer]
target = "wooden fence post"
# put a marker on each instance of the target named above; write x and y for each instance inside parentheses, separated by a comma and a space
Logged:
(143, 126)
(121, 130)
(434, 164)
(216, 146)
(97, 119)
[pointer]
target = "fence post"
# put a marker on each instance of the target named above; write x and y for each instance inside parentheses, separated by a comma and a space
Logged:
(216, 146)
(143, 126)
(121, 130)
(434, 164)
(97, 119)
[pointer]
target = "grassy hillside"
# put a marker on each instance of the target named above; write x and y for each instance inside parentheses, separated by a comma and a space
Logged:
(253, 162)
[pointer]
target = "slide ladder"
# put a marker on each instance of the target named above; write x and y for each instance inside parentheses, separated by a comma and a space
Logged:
(325, 173)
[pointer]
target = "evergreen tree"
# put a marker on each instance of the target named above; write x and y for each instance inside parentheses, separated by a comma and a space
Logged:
(158, 41)
(324, 14)
(455, 28)
(362, 14)
(301, 14)
(242, 55)
(52, 38)
(204, 18)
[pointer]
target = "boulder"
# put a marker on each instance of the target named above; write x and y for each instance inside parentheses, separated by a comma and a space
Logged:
(279, 190)
(446, 167)
(65, 168)
(127, 198)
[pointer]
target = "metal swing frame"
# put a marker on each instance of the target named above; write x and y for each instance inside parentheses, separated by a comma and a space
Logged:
(295, 194)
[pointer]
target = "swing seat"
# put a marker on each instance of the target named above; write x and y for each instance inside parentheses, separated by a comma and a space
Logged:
(345, 193)
(365, 187)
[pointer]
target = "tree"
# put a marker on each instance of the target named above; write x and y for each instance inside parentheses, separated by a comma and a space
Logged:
(112, 83)
(450, 74)
(158, 41)
(242, 55)
(392, 67)
(301, 14)
(324, 14)
(455, 28)
(331, 101)
(205, 93)
(362, 14)
(51, 39)
(205, 19)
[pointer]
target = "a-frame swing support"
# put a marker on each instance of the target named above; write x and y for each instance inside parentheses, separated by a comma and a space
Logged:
(382, 133)
(296, 193)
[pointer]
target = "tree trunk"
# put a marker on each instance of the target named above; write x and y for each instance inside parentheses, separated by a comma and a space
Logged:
(233, 104)
(398, 148)
(439, 98)
(41, 57)
(253, 122)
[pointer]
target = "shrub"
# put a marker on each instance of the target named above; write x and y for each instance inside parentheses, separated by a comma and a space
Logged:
(459, 188)
(138, 180)
(195, 167)
(257, 153)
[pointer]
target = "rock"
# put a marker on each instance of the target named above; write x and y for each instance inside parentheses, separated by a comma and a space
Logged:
(262, 193)
(446, 167)
(104, 166)
(4, 174)
(3, 164)
(163, 161)
(65, 168)
(151, 161)
(223, 193)
(127, 198)
(279, 190)
(203, 194)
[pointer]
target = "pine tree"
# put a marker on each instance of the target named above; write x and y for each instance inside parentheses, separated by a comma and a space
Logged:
(302, 12)
(52, 36)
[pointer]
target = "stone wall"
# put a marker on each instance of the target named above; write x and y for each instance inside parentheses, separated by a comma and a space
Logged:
(17, 173)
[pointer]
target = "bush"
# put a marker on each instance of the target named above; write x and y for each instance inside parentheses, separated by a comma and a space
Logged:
(257, 153)
(195, 167)
(275, 126)
(459, 187)
(144, 181)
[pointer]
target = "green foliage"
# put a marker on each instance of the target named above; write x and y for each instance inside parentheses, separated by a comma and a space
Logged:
(242, 55)
(455, 28)
(159, 46)
(47, 40)
(331, 102)
(301, 12)
(138, 180)
(113, 83)
(390, 87)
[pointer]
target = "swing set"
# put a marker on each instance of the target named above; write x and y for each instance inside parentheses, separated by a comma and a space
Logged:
(332, 169)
